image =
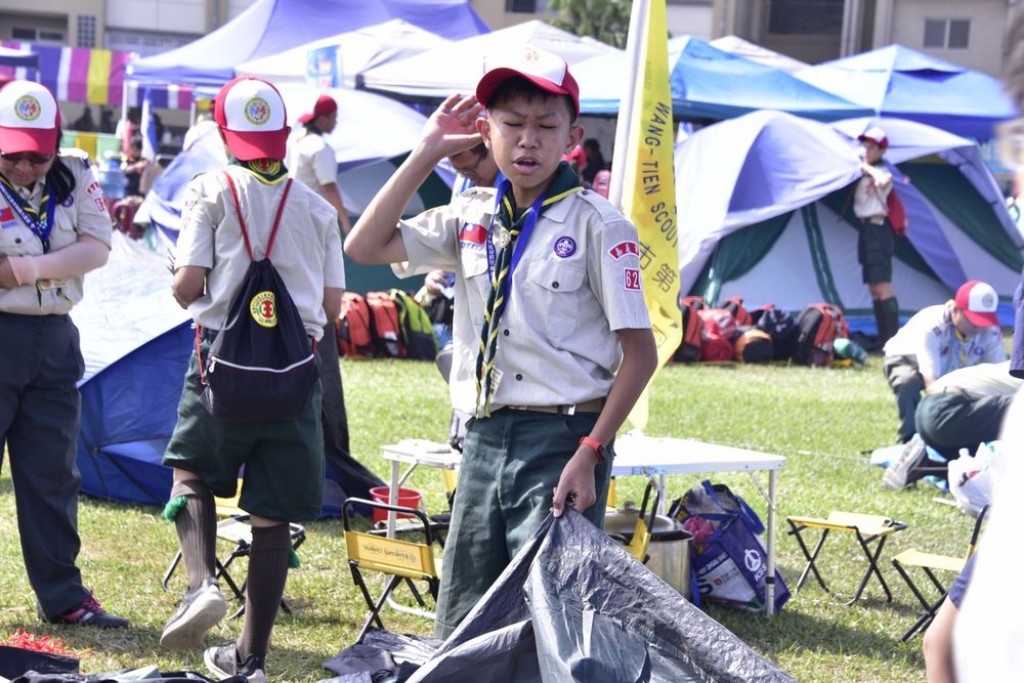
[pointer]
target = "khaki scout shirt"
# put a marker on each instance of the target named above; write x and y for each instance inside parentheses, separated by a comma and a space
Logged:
(83, 213)
(312, 161)
(870, 198)
(577, 282)
(307, 249)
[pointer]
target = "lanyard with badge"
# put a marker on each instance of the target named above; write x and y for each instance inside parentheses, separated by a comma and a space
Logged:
(41, 226)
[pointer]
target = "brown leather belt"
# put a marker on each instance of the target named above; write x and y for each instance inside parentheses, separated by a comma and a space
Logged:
(874, 220)
(593, 406)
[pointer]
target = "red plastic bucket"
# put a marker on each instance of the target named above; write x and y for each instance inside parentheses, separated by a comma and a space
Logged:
(407, 498)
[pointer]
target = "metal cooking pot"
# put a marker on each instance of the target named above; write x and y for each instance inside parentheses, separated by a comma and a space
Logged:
(669, 548)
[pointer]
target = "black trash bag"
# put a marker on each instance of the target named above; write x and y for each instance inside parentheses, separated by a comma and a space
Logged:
(381, 656)
(574, 606)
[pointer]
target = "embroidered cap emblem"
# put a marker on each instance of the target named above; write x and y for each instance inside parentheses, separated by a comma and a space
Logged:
(257, 111)
(27, 108)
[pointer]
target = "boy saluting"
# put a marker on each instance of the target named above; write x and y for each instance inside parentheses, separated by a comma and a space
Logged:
(553, 342)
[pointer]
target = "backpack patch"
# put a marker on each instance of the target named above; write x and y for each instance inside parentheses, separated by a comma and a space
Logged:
(261, 365)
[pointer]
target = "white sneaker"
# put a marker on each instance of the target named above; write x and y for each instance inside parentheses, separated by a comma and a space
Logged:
(199, 611)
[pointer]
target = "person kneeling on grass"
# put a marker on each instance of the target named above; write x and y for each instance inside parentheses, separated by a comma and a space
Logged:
(553, 341)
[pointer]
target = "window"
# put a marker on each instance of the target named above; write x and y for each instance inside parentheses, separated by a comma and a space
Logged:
(806, 17)
(527, 6)
(37, 35)
(86, 30)
(953, 34)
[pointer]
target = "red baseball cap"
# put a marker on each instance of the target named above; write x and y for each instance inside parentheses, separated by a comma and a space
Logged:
(876, 135)
(325, 105)
(547, 71)
(29, 118)
(252, 117)
(978, 300)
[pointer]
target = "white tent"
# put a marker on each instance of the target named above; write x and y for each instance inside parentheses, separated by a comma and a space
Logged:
(457, 66)
(349, 53)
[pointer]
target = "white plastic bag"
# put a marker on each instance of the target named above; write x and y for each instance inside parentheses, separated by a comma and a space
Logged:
(971, 478)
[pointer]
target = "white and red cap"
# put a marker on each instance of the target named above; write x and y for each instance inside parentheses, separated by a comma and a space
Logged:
(325, 106)
(29, 118)
(978, 300)
(876, 135)
(252, 118)
(547, 71)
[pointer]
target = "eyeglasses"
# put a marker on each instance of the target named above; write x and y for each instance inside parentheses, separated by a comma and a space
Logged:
(31, 157)
(1010, 144)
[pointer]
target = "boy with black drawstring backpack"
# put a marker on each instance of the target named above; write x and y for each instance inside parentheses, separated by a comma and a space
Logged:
(226, 226)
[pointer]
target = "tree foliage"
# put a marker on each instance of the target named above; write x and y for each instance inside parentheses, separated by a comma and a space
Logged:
(605, 20)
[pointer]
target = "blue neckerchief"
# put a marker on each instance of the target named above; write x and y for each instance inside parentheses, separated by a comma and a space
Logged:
(41, 227)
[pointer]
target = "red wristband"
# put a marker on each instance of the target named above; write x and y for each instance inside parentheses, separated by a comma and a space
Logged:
(594, 445)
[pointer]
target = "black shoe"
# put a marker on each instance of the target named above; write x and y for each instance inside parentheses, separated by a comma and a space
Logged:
(906, 469)
(200, 610)
(223, 662)
(90, 613)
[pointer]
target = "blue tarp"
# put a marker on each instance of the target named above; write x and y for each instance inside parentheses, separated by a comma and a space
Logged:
(708, 83)
(898, 82)
(272, 26)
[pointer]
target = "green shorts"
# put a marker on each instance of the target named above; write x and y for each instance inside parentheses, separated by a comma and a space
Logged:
(283, 460)
(874, 252)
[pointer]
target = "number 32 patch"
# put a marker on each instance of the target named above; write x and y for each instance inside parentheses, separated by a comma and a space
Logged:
(632, 278)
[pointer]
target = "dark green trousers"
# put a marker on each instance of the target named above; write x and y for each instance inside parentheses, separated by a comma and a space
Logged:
(510, 465)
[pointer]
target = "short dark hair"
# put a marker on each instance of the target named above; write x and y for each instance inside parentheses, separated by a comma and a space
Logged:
(520, 87)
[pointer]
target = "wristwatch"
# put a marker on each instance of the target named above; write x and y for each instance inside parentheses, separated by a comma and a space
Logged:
(593, 444)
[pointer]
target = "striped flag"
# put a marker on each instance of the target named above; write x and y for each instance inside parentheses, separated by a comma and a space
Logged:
(147, 124)
(644, 178)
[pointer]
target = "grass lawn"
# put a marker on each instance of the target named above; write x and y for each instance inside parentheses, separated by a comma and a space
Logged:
(820, 419)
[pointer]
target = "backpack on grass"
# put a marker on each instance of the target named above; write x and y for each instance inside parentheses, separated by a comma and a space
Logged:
(355, 327)
(262, 364)
(415, 327)
(386, 329)
(693, 326)
(818, 326)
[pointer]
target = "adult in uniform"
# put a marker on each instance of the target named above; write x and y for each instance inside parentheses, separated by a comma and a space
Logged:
(54, 228)
(937, 340)
(552, 336)
(283, 459)
(876, 242)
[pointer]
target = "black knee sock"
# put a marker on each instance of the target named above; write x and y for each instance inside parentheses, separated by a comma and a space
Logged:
(196, 524)
(268, 571)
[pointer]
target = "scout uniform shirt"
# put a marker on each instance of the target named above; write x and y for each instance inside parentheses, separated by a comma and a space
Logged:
(311, 160)
(307, 249)
(931, 336)
(869, 198)
(82, 213)
(577, 282)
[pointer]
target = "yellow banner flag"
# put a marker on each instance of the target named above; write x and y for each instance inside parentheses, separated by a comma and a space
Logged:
(648, 186)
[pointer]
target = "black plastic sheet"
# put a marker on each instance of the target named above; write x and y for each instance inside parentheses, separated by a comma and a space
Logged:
(574, 606)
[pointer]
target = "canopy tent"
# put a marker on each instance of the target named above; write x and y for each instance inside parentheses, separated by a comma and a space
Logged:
(76, 74)
(335, 61)
(708, 83)
(896, 81)
(272, 26)
(457, 66)
(773, 222)
(752, 51)
(163, 95)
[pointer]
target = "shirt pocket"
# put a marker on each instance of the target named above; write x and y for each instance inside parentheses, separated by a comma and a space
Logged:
(478, 283)
(554, 291)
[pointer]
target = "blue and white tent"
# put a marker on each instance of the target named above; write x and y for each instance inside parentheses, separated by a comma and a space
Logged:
(765, 213)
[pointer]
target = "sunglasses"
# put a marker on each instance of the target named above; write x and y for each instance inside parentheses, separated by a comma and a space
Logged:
(33, 158)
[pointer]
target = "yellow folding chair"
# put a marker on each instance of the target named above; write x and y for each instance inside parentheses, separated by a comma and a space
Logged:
(400, 561)
(930, 564)
(641, 539)
(868, 530)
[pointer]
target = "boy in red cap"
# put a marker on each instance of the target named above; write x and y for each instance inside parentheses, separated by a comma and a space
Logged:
(283, 459)
(939, 339)
(876, 241)
(552, 339)
(311, 159)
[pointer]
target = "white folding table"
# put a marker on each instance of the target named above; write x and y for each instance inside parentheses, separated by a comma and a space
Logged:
(635, 455)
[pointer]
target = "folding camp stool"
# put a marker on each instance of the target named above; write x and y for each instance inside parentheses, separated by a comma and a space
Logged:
(642, 532)
(398, 560)
(235, 529)
(930, 563)
(868, 529)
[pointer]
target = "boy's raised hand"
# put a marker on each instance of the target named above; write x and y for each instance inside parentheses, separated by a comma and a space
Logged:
(452, 127)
